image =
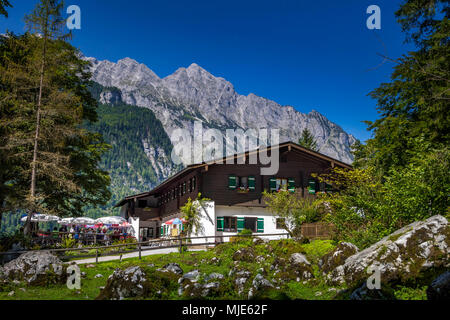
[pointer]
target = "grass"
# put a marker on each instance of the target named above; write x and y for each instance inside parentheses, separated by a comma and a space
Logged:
(315, 289)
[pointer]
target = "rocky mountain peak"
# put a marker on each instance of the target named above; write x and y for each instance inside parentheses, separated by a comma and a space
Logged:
(194, 93)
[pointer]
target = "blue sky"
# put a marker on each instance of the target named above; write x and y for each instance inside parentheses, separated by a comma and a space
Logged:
(307, 54)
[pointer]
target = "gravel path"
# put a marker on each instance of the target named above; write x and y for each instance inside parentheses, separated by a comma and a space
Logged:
(131, 255)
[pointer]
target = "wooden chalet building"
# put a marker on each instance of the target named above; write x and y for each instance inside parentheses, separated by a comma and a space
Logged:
(235, 191)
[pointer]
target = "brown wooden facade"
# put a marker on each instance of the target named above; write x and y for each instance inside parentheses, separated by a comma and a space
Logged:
(212, 181)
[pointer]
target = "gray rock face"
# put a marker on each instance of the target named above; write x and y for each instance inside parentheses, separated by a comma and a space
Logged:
(439, 289)
(172, 267)
(33, 268)
(193, 276)
(299, 267)
(260, 282)
(298, 259)
(402, 255)
(194, 94)
(214, 276)
(337, 257)
(124, 284)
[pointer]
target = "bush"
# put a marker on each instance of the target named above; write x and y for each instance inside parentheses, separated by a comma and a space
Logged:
(369, 207)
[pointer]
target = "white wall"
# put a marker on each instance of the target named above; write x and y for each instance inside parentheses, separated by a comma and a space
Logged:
(255, 212)
(134, 221)
(208, 222)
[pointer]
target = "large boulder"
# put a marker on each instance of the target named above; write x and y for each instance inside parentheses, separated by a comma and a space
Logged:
(300, 267)
(403, 255)
(124, 284)
(35, 268)
(337, 257)
(172, 267)
(439, 289)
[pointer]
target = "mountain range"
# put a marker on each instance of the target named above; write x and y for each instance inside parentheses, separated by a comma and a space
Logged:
(195, 94)
(138, 111)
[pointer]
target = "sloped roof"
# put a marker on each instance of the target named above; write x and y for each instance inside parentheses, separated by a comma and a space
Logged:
(193, 167)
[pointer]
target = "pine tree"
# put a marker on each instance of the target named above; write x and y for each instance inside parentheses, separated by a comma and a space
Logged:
(3, 5)
(43, 78)
(413, 107)
(307, 140)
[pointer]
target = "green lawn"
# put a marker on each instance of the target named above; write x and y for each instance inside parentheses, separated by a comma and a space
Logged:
(315, 289)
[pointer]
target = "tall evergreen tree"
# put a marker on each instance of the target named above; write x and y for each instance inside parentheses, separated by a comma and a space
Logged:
(307, 140)
(45, 100)
(413, 107)
(3, 5)
(46, 20)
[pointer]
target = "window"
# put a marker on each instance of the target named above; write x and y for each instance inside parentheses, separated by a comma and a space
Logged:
(280, 223)
(194, 183)
(184, 188)
(277, 184)
(312, 186)
(250, 224)
(190, 185)
(241, 183)
(230, 224)
(282, 184)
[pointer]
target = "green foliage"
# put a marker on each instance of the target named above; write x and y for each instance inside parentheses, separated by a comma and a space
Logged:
(367, 208)
(294, 210)
(3, 5)
(125, 128)
(68, 242)
(192, 213)
(317, 249)
(413, 107)
(308, 141)
(67, 174)
(246, 232)
(402, 172)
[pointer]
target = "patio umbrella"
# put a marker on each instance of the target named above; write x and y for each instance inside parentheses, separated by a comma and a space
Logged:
(177, 221)
(52, 218)
(83, 221)
(66, 221)
(110, 220)
(36, 218)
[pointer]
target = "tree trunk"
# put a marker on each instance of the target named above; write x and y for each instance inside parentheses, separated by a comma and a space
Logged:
(27, 229)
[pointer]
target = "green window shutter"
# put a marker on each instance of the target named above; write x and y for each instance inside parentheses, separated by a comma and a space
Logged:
(251, 183)
(260, 225)
(273, 184)
(232, 182)
(162, 230)
(312, 186)
(240, 224)
(329, 188)
(291, 185)
(220, 221)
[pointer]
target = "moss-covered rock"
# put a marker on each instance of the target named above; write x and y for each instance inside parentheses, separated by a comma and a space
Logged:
(36, 268)
(245, 254)
(402, 256)
(337, 257)
(135, 282)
